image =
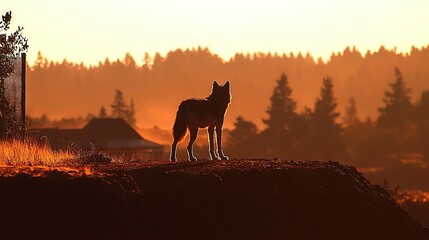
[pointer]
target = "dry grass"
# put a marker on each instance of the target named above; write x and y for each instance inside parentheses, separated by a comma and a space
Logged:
(27, 152)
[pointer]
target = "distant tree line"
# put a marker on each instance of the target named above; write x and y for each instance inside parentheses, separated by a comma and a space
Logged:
(401, 128)
(163, 81)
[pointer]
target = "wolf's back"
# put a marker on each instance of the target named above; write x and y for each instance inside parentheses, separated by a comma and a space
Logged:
(180, 124)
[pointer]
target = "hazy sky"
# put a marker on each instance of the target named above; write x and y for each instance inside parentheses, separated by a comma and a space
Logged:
(89, 31)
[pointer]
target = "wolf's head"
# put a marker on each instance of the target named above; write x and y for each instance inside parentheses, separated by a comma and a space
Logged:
(220, 94)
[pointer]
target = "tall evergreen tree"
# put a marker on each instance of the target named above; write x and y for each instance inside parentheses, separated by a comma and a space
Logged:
(325, 133)
(131, 114)
(281, 112)
(397, 111)
(285, 128)
(102, 113)
(350, 117)
(422, 119)
(324, 113)
(243, 130)
(422, 108)
(119, 107)
(244, 141)
(121, 110)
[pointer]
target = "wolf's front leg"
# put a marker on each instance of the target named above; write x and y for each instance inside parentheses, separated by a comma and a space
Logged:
(210, 131)
(219, 143)
(193, 136)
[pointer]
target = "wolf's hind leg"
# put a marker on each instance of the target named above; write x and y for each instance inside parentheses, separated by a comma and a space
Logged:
(173, 151)
(210, 131)
(193, 136)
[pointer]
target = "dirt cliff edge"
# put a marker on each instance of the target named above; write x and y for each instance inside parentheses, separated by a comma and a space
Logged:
(236, 199)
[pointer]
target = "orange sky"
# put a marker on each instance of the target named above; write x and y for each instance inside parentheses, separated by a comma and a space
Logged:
(88, 31)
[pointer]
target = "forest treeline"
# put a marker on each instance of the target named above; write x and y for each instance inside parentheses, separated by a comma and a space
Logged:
(65, 89)
(399, 133)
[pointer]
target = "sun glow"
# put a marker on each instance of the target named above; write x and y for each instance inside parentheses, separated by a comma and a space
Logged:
(89, 31)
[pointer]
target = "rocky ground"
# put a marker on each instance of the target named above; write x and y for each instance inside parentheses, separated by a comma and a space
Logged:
(236, 199)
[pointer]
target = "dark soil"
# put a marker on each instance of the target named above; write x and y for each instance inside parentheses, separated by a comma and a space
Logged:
(240, 199)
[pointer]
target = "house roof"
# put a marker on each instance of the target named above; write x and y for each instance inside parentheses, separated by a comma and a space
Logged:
(115, 133)
(103, 132)
(110, 128)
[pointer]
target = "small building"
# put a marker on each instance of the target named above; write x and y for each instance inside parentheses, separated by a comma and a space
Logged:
(113, 136)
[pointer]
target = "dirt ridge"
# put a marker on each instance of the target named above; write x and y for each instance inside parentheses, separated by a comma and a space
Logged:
(236, 199)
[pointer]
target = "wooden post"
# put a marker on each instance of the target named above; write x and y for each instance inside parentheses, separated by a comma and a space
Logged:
(23, 86)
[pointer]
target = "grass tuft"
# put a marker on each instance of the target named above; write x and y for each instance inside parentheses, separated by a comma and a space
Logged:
(29, 153)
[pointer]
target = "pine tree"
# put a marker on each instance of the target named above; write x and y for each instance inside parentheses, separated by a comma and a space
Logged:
(398, 108)
(119, 108)
(422, 108)
(281, 112)
(41, 62)
(325, 134)
(243, 130)
(147, 61)
(422, 119)
(130, 116)
(102, 113)
(284, 134)
(324, 113)
(351, 119)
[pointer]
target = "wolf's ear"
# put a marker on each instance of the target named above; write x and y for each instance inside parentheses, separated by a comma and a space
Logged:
(215, 85)
(226, 84)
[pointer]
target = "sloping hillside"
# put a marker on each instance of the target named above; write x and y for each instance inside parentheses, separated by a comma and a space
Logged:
(240, 199)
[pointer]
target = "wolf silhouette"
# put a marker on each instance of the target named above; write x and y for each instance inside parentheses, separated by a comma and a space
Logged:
(202, 113)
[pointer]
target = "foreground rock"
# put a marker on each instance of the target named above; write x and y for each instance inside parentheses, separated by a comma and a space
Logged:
(246, 199)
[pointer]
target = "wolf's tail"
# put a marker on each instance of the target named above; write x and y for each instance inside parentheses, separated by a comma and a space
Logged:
(180, 126)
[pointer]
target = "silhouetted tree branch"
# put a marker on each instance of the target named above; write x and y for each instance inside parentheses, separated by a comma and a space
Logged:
(11, 46)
